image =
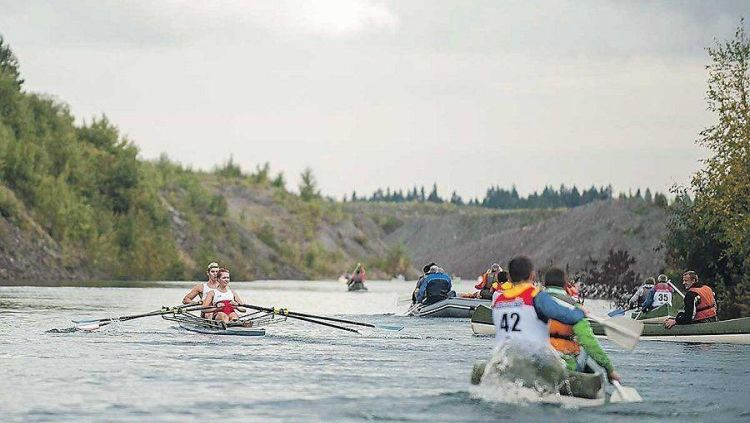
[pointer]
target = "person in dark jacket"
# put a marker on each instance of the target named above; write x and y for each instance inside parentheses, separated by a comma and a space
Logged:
(434, 286)
(425, 270)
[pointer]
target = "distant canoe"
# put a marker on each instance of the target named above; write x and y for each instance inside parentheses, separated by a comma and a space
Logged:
(357, 286)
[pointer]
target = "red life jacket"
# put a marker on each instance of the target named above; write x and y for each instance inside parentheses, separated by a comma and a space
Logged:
(706, 307)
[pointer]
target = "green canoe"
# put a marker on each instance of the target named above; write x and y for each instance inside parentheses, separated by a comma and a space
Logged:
(481, 321)
(734, 331)
(580, 389)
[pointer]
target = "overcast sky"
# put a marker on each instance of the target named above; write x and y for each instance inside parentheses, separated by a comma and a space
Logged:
(373, 94)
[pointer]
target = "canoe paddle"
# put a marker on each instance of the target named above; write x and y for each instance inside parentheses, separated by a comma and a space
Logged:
(623, 331)
(295, 314)
(624, 394)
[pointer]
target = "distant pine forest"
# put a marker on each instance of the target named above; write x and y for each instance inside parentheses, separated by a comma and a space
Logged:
(502, 198)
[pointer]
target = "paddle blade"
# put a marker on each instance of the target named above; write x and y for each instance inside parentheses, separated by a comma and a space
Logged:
(623, 331)
(624, 394)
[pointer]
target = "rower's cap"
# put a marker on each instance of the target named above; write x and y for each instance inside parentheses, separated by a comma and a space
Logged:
(662, 278)
(649, 281)
(212, 265)
(496, 267)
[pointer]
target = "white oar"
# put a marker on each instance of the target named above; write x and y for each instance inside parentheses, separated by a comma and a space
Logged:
(623, 331)
(624, 394)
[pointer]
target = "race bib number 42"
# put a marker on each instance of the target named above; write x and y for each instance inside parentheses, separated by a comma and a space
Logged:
(509, 322)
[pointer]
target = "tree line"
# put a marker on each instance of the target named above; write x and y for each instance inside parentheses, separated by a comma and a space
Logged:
(503, 198)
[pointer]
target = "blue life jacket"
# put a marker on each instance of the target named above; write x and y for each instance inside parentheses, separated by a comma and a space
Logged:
(441, 281)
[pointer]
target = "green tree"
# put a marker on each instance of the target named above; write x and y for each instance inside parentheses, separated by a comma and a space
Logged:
(9, 67)
(711, 233)
(278, 181)
(308, 187)
(434, 197)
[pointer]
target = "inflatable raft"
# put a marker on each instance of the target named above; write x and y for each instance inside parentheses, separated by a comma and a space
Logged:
(449, 307)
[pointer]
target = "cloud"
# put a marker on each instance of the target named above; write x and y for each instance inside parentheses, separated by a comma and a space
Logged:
(320, 17)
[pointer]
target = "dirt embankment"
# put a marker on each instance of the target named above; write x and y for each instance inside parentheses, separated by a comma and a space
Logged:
(466, 245)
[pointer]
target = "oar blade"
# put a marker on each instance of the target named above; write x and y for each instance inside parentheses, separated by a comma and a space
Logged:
(83, 320)
(390, 327)
(623, 331)
(89, 327)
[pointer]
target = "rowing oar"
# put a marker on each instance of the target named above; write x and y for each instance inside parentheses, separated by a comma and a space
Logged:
(93, 324)
(623, 331)
(295, 314)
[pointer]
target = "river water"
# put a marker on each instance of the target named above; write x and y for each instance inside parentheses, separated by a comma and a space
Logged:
(149, 370)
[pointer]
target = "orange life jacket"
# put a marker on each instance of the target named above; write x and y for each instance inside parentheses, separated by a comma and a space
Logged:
(562, 338)
(706, 307)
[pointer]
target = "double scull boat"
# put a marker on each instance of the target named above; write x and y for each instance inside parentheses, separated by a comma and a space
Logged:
(247, 325)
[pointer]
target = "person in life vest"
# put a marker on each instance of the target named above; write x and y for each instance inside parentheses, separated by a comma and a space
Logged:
(488, 279)
(425, 269)
(574, 342)
(224, 299)
(658, 296)
(434, 286)
(358, 276)
(521, 313)
(700, 304)
(493, 279)
(636, 301)
(202, 289)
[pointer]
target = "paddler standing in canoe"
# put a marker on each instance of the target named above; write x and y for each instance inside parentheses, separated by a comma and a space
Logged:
(700, 304)
(202, 289)
(223, 298)
(576, 343)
